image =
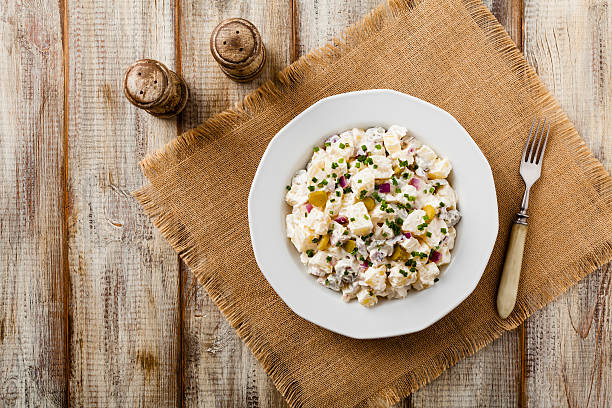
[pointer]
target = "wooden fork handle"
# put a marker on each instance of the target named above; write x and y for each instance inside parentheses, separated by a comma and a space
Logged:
(508, 286)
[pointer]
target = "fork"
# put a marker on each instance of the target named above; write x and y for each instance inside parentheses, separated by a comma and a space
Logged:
(531, 168)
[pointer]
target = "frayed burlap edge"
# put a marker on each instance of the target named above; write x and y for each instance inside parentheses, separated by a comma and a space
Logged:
(181, 147)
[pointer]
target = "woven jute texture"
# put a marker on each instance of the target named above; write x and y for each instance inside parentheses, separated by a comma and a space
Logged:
(454, 54)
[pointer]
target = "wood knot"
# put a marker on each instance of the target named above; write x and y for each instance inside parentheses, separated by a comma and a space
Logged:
(9, 393)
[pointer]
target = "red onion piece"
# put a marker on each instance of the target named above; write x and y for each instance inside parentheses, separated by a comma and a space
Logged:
(364, 265)
(408, 235)
(342, 182)
(415, 182)
(308, 207)
(341, 220)
(435, 256)
(384, 188)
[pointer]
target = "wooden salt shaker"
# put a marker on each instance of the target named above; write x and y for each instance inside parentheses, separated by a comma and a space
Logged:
(150, 85)
(237, 46)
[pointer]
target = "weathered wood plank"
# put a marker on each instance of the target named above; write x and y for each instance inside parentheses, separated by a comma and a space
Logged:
(319, 21)
(124, 275)
(32, 324)
(568, 343)
(492, 376)
(489, 377)
(510, 14)
(219, 370)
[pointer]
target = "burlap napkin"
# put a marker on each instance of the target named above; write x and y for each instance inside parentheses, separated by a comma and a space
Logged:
(454, 54)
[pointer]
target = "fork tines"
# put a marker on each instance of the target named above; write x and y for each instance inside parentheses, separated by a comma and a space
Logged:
(535, 154)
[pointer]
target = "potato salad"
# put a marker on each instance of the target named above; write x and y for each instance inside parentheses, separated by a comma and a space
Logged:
(373, 214)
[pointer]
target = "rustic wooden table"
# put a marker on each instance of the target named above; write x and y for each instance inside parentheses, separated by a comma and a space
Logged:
(97, 309)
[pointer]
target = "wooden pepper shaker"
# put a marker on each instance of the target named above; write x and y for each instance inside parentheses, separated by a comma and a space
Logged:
(150, 85)
(237, 46)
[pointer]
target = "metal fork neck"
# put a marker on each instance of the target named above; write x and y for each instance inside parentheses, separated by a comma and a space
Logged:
(521, 216)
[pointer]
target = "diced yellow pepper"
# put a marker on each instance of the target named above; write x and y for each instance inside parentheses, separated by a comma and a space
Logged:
(323, 243)
(349, 246)
(369, 203)
(318, 198)
(430, 212)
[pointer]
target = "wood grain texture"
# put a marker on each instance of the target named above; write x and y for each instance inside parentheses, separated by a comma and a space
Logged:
(319, 21)
(568, 349)
(219, 370)
(510, 14)
(32, 330)
(490, 377)
(124, 275)
(140, 331)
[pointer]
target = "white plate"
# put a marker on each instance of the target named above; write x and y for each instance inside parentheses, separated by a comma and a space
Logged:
(291, 149)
